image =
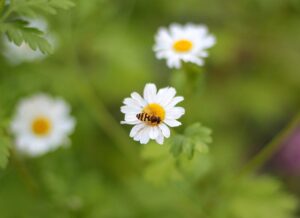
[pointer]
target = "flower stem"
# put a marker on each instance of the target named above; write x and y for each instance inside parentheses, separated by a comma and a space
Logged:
(2, 3)
(268, 151)
(26, 176)
(194, 79)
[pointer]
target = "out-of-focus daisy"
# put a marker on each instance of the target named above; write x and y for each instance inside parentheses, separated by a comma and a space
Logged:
(23, 53)
(187, 43)
(152, 114)
(41, 124)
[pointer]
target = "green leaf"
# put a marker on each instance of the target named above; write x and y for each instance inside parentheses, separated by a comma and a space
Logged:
(4, 151)
(186, 161)
(162, 167)
(18, 32)
(62, 4)
(195, 139)
(177, 144)
(35, 7)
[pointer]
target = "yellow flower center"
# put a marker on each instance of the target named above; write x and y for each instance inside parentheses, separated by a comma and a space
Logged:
(183, 45)
(41, 126)
(154, 110)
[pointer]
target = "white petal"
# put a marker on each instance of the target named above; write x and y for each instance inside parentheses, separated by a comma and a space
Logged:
(166, 96)
(202, 54)
(195, 60)
(174, 63)
(172, 123)
(37, 148)
(139, 99)
(58, 108)
(165, 130)
(136, 129)
(154, 131)
(161, 94)
(176, 29)
(163, 36)
(144, 139)
(209, 41)
(174, 101)
(66, 125)
(130, 110)
(134, 122)
(138, 136)
(160, 139)
(175, 113)
(132, 103)
(150, 92)
(130, 117)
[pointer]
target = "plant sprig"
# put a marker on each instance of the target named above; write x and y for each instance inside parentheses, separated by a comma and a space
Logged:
(13, 25)
(195, 138)
(18, 32)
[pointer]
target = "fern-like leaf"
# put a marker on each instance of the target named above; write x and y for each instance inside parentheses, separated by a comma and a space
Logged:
(18, 32)
(195, 138)
(35, 7)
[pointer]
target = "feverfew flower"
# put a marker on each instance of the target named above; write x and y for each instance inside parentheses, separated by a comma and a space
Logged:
(23, 53)
(41, 124)
(152, 114)
(187, 43)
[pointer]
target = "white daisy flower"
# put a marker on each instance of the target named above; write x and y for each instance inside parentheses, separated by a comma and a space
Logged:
(23, 53)
(41, 124)
(187, 43)
(152, 114)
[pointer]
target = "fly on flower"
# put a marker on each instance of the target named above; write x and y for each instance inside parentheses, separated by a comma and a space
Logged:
(187, 43)
(41, 124)
(152, 114)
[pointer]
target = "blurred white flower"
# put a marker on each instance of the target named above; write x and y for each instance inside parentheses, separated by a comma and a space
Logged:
(152, 114)
(187, 43)
(23, 53)
(41, 124)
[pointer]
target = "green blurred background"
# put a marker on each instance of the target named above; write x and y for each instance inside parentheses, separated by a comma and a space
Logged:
(249, 91)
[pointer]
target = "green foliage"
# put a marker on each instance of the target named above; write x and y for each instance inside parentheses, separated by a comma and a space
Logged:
(162, 167)
(17, 29)
(19, 32)
(195, 138)
(5, 145)
(2, 3)
(240, 96)
(182, 157)
(232, 197)
(33, 8)
(261, 198)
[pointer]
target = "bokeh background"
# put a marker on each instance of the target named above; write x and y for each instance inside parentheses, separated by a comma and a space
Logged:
(248, 92)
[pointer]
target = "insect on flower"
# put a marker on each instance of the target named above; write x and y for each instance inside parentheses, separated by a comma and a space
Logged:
(152, 114)
(152, 119)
